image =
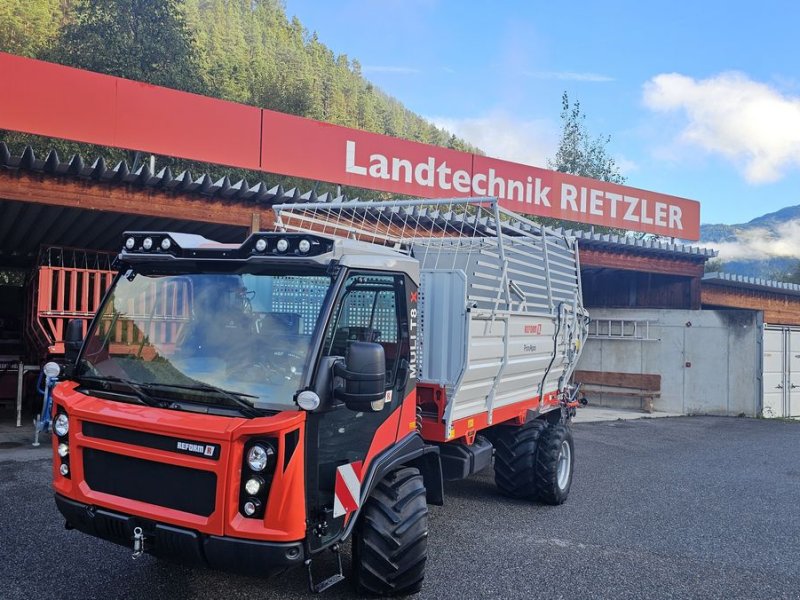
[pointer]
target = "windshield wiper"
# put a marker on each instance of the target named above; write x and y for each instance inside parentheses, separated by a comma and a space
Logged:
(137, 392)
(141, 391)
(235, 397)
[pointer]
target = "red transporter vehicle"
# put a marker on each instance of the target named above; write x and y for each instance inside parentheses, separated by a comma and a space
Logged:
(250, 406)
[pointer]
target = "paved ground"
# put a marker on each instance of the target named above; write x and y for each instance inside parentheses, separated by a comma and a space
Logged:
(660, 508)
(593, 413)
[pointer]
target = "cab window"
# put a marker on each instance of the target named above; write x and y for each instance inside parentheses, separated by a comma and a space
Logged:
(368, 310)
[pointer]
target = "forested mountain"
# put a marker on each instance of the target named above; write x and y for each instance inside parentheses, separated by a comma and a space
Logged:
(246, 51)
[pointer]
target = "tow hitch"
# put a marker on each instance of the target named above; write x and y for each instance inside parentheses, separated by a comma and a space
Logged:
(138, 543)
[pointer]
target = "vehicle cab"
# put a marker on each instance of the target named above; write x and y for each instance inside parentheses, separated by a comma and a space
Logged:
(207, 411)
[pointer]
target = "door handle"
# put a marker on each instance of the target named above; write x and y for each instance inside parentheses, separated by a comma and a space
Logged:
(779, 387)
(792, 386)
(403, 372)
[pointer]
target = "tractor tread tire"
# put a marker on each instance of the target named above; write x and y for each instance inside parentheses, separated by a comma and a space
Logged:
(546, 467)
(390, 542)
(515, 458)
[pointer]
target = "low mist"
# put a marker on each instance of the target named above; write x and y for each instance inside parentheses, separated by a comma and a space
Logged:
(761, 243)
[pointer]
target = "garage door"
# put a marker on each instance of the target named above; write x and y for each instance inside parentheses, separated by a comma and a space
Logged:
(781, 372)
(773, 378)
(793, 376)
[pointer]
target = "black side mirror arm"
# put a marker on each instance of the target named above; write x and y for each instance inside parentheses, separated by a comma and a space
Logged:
(73, 340)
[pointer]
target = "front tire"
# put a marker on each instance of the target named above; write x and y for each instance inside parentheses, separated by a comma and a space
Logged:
(390, 541)
(554, 464)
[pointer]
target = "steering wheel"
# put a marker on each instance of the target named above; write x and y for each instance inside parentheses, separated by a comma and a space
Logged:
(274, 365)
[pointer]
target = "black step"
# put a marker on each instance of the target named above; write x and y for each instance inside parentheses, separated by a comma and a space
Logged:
(460, 460)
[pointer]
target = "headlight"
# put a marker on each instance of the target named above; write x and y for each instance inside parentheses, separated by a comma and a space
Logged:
(304, 246)
(61, 425)
(130, 243)
(63, 449)
(147, 243)
(261, 245)
(166, 244)
(64, 469)
(258, 457)
(253, 485)
(251, 506)
(282, 245)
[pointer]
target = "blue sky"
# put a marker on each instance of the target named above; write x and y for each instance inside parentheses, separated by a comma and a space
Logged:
(701, 99)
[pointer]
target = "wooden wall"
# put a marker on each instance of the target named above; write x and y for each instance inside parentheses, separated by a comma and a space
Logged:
(621, 278)
(779, 309)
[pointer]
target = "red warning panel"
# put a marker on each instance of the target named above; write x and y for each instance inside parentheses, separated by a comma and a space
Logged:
(347, 490)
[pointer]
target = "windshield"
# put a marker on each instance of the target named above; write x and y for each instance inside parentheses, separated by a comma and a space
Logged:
(214, 339)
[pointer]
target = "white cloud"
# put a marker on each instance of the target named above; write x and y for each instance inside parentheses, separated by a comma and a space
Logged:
(390, 69)
(570, 76)
(749, 123)
(502, 136)
(760, 243)
(626, 165)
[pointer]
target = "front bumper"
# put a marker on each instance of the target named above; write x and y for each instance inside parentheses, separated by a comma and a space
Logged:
(249, 557)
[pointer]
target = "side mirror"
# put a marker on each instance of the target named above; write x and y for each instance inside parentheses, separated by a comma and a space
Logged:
(73, 339)
(364, 374)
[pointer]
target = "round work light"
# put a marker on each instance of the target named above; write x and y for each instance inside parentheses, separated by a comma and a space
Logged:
(61, 425)
(258, 457)
(253, 485)
(251, 507)
(308, 400)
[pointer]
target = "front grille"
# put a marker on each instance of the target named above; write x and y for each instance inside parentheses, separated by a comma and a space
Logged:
(151, 440)
(170, 486)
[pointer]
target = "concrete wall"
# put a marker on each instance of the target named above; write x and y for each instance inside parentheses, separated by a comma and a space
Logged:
(709, 360)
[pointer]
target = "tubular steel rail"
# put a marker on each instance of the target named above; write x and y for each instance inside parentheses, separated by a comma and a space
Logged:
(501, 316)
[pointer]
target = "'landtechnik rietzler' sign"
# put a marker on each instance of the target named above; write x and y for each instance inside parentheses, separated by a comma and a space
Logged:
(56, 101)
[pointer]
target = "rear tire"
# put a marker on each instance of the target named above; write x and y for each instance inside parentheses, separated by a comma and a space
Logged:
(390, 541)
(515, 458)
(554, 464)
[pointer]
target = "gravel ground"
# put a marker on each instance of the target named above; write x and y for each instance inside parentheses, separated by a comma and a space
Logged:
(693, 507)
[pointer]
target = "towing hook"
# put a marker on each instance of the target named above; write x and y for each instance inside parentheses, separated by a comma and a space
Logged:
(138, 543)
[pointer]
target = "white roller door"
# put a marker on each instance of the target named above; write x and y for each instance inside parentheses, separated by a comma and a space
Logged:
(781, 372)
(793, 376)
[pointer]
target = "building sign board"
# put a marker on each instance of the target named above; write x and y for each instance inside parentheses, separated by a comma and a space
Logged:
(56, 101)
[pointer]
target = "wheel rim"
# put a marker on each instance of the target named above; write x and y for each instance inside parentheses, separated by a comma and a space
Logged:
(564, 464)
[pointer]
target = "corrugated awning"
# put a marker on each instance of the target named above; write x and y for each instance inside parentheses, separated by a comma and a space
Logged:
(751, 283)
(25, 227)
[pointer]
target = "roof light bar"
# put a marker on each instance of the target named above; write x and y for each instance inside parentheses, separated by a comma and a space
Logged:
(266, 244)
